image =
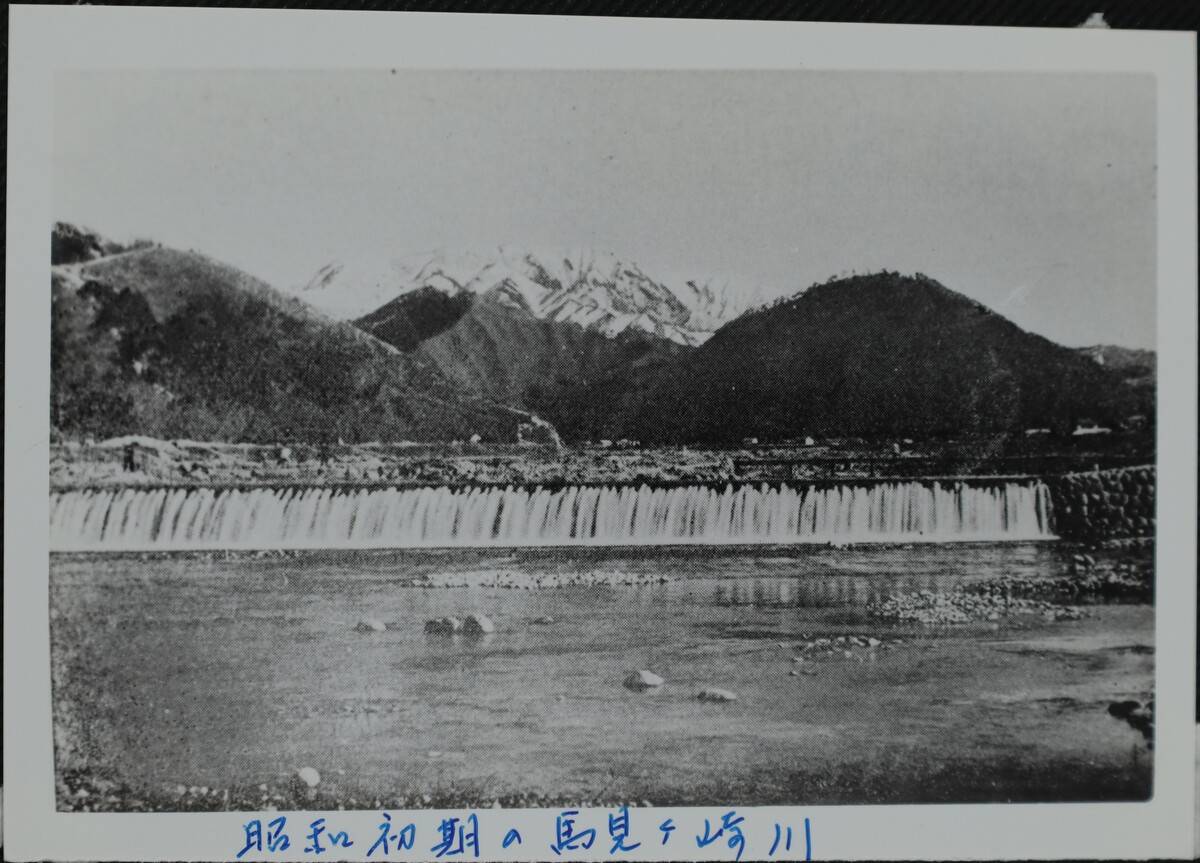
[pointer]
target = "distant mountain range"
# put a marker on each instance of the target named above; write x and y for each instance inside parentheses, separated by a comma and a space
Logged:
(442, 347)
(595, 290)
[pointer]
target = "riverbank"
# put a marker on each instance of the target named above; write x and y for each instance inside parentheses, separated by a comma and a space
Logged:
(135, 461)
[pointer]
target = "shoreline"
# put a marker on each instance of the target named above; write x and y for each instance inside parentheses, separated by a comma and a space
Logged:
(139, 462)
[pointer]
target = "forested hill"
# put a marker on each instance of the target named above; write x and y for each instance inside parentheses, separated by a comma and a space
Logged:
(874, 355)
(175, 345)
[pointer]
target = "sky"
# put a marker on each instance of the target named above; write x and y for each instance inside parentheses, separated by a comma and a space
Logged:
(1033, 193)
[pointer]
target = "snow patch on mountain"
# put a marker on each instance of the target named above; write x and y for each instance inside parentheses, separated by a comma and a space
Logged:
(593, 289)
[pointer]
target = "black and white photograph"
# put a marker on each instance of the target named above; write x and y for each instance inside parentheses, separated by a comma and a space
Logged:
(544, 439)
(528, 437)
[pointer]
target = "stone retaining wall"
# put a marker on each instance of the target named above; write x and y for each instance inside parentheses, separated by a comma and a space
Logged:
(1106, 504)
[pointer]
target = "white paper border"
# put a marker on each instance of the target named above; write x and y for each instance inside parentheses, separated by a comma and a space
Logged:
(44, 40)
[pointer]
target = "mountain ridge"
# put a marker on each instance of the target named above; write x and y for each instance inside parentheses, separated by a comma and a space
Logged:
(177, 345)
(596, 290)
(878, 354)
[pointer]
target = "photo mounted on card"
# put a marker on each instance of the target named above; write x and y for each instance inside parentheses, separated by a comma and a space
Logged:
(450, 437)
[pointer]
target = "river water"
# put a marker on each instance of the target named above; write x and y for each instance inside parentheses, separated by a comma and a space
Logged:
(230, 671)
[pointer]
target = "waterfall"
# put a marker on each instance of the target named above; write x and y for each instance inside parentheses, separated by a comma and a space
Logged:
(268, 518)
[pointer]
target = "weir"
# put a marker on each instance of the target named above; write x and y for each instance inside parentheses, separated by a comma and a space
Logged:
(165, 519)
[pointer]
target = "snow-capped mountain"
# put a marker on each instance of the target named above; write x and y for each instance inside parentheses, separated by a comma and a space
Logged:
(596, 290)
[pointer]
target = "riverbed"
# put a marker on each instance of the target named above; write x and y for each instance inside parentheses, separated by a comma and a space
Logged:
(207, 680)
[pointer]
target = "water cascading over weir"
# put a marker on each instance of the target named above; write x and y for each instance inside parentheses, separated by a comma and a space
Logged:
(167, 519)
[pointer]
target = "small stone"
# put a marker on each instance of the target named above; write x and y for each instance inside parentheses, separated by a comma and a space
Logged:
(641, 680)
(545, 620)
(369, 625)
(873, 642)
(309, 776)
(716, 695)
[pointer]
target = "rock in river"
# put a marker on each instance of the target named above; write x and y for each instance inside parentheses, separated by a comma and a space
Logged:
(444, 625)
(641, 680)
(309, 776)
(478, 624)
(714, 694)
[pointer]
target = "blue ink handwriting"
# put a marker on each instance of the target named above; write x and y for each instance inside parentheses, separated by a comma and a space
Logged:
(566, 839)
(618, 830)
(275, 838)
(406, 838)
(456, 839)
(729, 821)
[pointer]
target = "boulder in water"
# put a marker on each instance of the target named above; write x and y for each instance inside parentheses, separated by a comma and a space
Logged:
(714, 694)
(444, 625)
(369, 624)
(309, 776)
(641, 680)
(478, 624)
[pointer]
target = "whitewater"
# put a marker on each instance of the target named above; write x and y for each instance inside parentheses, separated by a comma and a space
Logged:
(166, 519)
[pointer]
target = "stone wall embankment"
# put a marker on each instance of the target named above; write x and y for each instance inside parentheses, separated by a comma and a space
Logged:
(1105, 504)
